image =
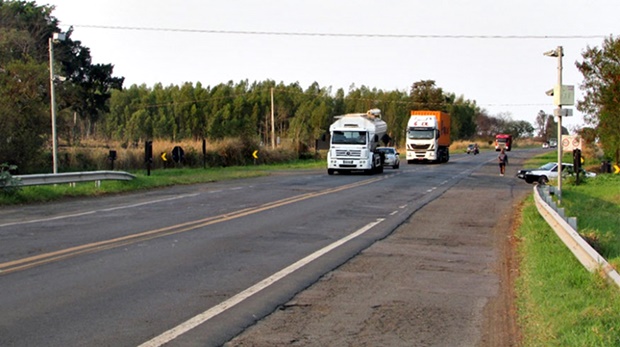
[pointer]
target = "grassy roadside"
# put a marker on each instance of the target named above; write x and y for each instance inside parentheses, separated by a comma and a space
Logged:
(157, 179)
(559, 303)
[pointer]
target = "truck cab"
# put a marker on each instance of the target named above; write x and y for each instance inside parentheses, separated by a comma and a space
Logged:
(354, 139)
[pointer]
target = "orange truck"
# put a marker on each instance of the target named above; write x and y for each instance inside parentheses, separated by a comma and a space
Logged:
(503, 141)
(428, 136)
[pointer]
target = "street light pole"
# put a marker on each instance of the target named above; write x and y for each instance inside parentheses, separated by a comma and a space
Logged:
(53, 109)
(558, 52)
(55, 38)
(273, 123)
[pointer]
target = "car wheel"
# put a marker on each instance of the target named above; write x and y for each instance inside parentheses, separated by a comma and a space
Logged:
(542, 180)
(529, 180)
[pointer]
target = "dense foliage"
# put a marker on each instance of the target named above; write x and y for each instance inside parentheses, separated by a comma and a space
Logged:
(601, 86)
(25, 32)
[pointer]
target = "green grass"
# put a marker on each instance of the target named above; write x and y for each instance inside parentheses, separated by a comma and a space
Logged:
(559, 302)
(157, 178)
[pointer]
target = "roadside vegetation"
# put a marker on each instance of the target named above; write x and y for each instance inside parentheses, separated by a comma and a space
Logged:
(157, 179)
(559, 302)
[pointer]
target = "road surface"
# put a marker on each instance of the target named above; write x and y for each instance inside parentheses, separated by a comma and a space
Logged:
(198, 265)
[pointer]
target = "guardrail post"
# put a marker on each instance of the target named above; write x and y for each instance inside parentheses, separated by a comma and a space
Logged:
(572, 221)
(560, 212)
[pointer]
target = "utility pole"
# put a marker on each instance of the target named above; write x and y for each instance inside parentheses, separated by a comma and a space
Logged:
(53, 108)
(558, 52)
(273, 125)
(56, 37)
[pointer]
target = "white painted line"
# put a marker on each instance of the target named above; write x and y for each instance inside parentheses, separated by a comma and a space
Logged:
(214, 311)
(95, 211)
(393, 213)
(150, 202)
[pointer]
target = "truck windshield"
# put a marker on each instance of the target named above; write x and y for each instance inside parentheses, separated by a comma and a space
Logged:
(414, 133)
(349, 137)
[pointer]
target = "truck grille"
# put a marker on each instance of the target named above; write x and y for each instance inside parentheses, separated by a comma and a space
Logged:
(418, 147)
(348, 153)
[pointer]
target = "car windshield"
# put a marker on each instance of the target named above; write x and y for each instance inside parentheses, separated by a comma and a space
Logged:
(386, 150)
(547, 166)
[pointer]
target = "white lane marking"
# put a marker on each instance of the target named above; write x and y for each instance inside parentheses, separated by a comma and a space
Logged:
(95, 211)
(195, 321)
(393, 213)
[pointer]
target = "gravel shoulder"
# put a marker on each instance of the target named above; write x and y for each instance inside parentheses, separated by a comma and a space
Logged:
(443, 278)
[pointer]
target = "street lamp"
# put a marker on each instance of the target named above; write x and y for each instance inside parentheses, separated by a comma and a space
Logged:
(558, 53)
(56, 37)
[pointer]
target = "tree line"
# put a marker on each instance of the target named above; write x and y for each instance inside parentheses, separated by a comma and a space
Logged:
(302, 115)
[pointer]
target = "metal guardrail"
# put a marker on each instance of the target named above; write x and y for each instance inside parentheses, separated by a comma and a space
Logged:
(566, 229)
(73, 177)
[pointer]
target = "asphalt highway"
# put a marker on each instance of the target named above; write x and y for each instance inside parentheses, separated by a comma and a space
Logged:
(196, 265)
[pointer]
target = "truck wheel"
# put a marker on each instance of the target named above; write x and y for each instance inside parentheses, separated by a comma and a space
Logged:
(330, 171)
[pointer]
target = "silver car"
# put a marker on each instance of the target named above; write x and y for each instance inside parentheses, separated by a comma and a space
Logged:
(391, 156)
(543, 174)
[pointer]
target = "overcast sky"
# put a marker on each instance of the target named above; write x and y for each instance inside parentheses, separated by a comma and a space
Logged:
(489, 51)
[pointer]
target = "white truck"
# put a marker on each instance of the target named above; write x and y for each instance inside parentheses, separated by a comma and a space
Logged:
(428, 136)
(354, 139)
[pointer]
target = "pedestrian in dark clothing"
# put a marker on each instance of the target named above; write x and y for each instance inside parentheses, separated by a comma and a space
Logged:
(503, 161)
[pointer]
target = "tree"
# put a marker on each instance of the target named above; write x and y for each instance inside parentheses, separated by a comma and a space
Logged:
(463, 115)
(25, 29)
(426, 96)
(541, 124)
(23, 114)
(601, 86)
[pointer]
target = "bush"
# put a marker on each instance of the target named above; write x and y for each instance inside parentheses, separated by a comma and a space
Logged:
(8, 184)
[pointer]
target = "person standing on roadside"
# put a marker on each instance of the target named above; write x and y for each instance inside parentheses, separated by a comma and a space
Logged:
(503, 161)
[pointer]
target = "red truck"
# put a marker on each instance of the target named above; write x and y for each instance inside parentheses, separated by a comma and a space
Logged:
(503, 141)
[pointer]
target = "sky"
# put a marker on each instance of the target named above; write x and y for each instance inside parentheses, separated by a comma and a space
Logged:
(488, 51)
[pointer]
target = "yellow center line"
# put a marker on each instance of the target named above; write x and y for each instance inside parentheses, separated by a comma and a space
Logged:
(44, 258)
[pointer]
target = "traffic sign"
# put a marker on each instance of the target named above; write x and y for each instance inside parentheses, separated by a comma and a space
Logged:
(616, 169)
(564, 95)
(178, 155)
(571, 142)
(255, 154)
(163, 156)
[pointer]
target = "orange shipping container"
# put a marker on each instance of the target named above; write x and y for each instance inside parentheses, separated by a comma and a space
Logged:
(443, 124)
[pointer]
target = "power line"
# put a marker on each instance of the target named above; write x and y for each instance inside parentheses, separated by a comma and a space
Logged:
(354, 35)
